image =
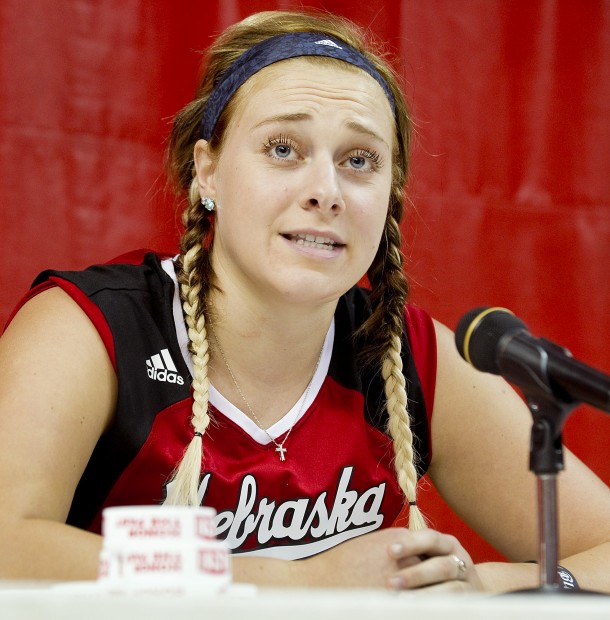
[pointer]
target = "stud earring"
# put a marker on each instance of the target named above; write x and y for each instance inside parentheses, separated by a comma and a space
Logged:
(208, 204)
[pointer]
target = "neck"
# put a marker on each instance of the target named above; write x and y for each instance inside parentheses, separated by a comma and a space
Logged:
(288, 340)
(279, 316)
(271, 352)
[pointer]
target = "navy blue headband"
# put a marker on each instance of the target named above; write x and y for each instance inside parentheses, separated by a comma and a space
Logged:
(273, 50)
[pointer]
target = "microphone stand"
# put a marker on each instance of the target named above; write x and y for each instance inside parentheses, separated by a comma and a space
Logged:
(546, 461)
(550, 408)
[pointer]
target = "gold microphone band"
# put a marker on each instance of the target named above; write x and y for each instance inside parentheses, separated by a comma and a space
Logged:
(474, 324)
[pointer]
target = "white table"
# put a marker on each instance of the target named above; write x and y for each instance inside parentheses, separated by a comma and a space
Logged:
(19, 601)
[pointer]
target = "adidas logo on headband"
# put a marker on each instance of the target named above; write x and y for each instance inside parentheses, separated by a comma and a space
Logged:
(329, 43)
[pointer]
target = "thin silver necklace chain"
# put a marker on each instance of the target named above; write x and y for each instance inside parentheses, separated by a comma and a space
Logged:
(279, 447)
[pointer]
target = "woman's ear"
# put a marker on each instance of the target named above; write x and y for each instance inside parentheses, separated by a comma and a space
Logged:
(205, 167)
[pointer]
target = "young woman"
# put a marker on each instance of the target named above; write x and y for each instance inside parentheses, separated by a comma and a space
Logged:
(251, 374)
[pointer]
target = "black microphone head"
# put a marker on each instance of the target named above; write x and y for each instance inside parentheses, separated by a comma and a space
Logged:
(479, 332)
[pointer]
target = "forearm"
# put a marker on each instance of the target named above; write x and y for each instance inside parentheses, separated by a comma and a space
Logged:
(506, 577)
(590, 568)
(270, 571)
(36, 549)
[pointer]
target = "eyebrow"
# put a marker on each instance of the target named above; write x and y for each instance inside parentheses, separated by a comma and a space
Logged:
(279, 118)
(360, 128)
(303, 116)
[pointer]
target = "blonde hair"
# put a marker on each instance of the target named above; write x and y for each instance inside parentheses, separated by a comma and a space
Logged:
(382, 332)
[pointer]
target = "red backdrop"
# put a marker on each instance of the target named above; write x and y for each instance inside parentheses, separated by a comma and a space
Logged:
(510, 175)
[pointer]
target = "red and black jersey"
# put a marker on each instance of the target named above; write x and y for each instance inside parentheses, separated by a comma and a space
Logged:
(337, 481)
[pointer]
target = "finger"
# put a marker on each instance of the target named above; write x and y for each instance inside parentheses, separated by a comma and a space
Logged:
(446, 587)
(461, 567)
(432, 571)
(397, 552)
(423, 543)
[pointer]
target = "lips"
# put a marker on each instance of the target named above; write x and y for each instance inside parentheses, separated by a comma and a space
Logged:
(314, 241)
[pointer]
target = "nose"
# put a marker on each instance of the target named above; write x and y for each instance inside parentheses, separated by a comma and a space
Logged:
(322, 188)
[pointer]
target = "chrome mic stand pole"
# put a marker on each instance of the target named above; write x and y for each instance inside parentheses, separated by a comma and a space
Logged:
(548, 534)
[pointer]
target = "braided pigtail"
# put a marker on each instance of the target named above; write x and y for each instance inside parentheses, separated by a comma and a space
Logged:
(384, 328)
(192, 271)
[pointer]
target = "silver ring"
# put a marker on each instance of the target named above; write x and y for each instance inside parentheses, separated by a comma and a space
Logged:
(461, 566)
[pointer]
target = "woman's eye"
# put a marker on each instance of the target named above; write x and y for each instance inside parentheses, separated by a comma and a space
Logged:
(358, 162)
(282, 151)
(280, 147)
(365, 160)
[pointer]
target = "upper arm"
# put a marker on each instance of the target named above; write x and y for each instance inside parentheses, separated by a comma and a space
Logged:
(481, 436)
(57, 395)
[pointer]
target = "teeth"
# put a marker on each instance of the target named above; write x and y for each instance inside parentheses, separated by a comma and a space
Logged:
(312, 241)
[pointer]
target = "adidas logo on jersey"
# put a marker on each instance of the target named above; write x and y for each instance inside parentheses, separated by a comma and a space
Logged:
(161, 367)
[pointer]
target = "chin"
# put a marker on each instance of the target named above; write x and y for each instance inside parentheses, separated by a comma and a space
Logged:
(314, 290)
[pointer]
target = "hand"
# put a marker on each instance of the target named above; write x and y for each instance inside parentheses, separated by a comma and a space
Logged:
(429, 560)
(398, 559)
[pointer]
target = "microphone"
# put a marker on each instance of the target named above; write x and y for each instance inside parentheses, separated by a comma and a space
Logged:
(494, 340)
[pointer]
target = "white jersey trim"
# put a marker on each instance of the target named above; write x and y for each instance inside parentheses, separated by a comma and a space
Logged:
(236, 415)
(183, 339)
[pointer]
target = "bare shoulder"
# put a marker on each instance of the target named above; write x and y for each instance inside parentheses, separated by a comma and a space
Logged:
(460, 387)
(57, 395)
(477, 418)
(50, 338)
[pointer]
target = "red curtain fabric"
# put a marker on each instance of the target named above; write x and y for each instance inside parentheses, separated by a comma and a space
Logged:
(510, 178)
